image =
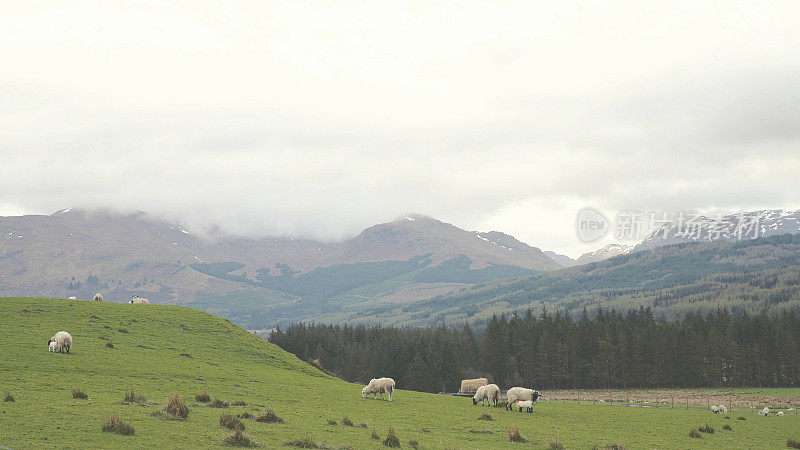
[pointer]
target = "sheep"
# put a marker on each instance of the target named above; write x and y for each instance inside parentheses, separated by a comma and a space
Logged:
(379, 386)
(519, 393)
(471, 386)
(723, 409)
(72, 298)
(63, 339)
(764, 412)
(98, 297)
(715, 409)
(490, 393)
(527, 404)
(53, 346)
(779, 413)
(138, 300)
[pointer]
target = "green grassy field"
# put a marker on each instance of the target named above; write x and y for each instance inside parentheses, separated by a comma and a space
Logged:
(159, 350)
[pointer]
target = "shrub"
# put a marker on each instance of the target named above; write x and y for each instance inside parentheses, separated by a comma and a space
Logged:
(706, 429)
(694, 434)
(375, 434)
(306, 442)
(116, 425)
(109, 345)
(268, 417)
(791, 443)
(238, 403)
(741, 418)
(217, 403)
(175, 408)
(203, 397)
(8, 397)
(485, 416)
(391, 440)
(726, 427)
(230, 422)
(332, 422)
(556, 445)
(77, 393)
(239, 439)
(347, 422)
(413, 444)
(514, 435)
(132, 397)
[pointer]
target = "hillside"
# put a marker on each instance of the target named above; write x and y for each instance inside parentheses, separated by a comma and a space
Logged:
(160, 350)
(255, 282)
(753, 275)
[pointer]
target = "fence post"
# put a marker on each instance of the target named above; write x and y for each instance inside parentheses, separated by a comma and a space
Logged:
(673, 401)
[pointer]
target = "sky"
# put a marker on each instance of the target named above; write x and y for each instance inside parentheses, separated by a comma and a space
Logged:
(319, 119)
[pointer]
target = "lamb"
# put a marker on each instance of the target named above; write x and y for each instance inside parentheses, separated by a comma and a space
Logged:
(53, 346)
(723, 409)
(520, 393)
(98, 297)
(138, 300)
(379, 386)
(490, 393)
(779, 413)
(527, 404)
(63, 339)
(764, 412)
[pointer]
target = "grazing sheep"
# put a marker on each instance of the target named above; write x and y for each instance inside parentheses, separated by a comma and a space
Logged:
(520, 393)
(138, 300)
(779, 413)
(72, 298)
(764, 412)
(471, 386)
(490, 393)
(63, 339)
(723, 409)
(53, 346)
(527, 404)
(379, 386)
(98, 297)
(715, 409)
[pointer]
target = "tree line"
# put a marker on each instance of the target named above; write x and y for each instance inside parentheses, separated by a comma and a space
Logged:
(606, 349)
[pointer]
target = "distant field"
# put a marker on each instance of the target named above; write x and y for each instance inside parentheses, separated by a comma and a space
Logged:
(158, 350)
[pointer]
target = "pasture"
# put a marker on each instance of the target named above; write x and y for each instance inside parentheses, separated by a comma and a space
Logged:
(160, 350)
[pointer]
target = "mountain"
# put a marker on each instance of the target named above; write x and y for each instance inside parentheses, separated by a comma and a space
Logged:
(255, 282)
(562, 260)
(754, 275)
(609, 251)
(730, 227)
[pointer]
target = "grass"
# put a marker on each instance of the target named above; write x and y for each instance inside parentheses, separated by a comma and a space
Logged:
(217, 403)
(239, 439)
(485, 416)
(708, 429)
(230, 363)
(792, 443)
(391, 441)
(79, 394)
(132, 397)
(8, 397)
(116, 425)
(347, 422)
(514, 435)
(305, 442)
(175, 408)
(231, 422)
(203, 397)
(268, 417)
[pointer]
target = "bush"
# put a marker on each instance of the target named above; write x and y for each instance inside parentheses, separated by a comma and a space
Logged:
(203, 397)
(239, 439)
(556, 445)
(485, 416)
(514, 435)
(217, 403)
(132, 397)
(175, 408)
(116, 425)
(332, 422)
(391, 440)
(347, 422)
(726, 427)
(694, 434)
(79, 394)
(230, 422)
(791, 443)
(306, 442)
(268, 417)
(9, 397)
(706, 429)
(413, 444)
(375, 434)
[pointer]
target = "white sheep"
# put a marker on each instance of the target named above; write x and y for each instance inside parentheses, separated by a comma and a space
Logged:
(779, 413)
(520, 393)
(379, 386)
(138, 300)
(98, 297)
(723, 409)
(527, 404)
(53, 346)
(715, 409)
(764, 412)
(489, 392)
(63, 339)
(72, 298)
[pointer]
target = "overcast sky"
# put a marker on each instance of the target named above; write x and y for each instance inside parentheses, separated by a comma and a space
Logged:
(319, 119)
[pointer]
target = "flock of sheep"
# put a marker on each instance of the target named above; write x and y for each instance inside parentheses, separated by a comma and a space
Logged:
(135, 299)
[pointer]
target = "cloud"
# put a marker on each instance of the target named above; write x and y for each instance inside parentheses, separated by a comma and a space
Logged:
(318, 120)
